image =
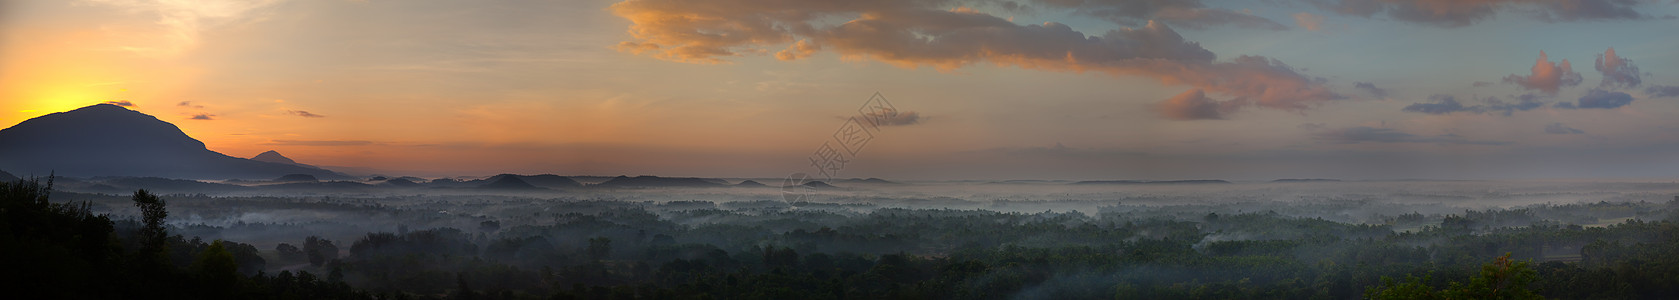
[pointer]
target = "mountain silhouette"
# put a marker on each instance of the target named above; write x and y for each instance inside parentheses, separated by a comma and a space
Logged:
(7, 177)
(401, 182)
(297, 178)
(870, 180)
(656, 181)
(273, 157)
(109, 140)
(750, 183)
(509, 182)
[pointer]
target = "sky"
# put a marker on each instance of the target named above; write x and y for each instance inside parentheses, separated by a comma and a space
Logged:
(982, 89)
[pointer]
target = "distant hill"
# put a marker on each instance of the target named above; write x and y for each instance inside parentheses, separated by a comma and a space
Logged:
(820, 185)
(401, 182)
(7, 176)
(750, 183)
(109, 140)
(273, 157)
(166, 185)
(545, 180)
(870, 180)
(1305, 180)
(656, 181)
(1197, 181)
(297, 178)
(509, 182)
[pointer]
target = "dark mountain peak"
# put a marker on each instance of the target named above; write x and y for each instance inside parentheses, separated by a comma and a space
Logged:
(273, 157)
(508, 182)
(820, 185)
(656, 181)
(109, 140)
(551, 181)
(297, 178)
(5, 177)
(403, 182)
(870, 180)
(749, 183)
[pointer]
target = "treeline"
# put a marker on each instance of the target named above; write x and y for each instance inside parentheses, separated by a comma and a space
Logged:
(695, 250)
(64, 251)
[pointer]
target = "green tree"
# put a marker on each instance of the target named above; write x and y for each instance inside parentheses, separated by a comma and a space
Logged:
(319, 250)
(217, 271)
(1501, 279)
(600, 248)
(154, 236)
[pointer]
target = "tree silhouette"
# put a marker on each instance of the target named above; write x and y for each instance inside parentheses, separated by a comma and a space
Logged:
(319, 250)
(154, 236)
(217, 271)
(600, 248)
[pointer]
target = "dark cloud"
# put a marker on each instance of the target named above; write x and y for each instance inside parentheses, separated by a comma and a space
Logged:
(1599, 99)
(913, 34)
(188, 104)
(1617, 71)
(1663, 91)
(317, 143)
(205, 117)
(1182, 13)
(1443, 104)
(1194, 105)
(1547, 76)
(1364, 134)
(1558, 128)
(1458, 13)
(304, 114)
(896, 118)
(1446, 104)
(1372, 89)
(122, 103)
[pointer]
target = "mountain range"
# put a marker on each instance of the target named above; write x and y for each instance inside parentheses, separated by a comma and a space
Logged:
(109, 140)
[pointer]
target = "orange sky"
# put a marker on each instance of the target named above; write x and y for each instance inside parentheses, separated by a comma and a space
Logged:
(620, 87)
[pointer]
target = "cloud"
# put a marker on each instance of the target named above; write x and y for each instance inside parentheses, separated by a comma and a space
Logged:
(799, 50)
(1194, 105)
(1558, 128)
(1372, 89)
(1364, 134)
(1617, 71)
(1458, 13)
(897, 118)
(188, 104)
(122, 103)
(318, 143)
(1599, 99)
(1446, 104)
(1662, 91)
(304, 114)
(913, 34)
(185, 21)
(1309, 21)
(1547, 76)
(1187, 14)
(202, 116)
(1481, 84)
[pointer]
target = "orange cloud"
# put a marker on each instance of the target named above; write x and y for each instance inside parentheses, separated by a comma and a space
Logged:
(1194, 105)
(1547, 76)
(1309, 21)
(912, 34)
